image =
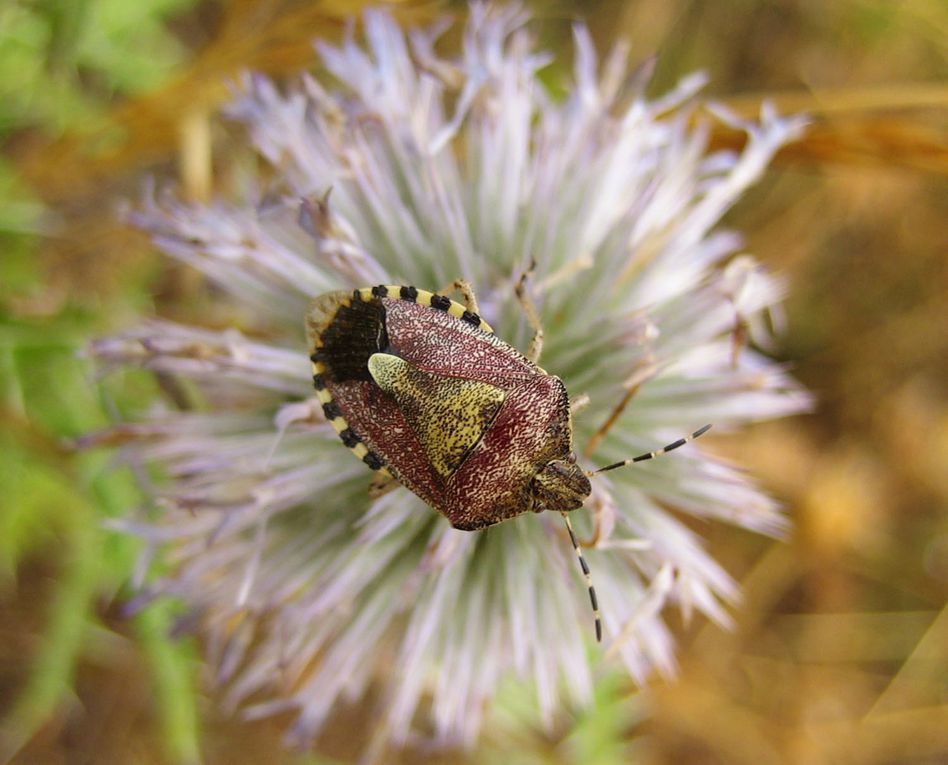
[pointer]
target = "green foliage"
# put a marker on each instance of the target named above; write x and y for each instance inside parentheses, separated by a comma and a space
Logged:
(61, 60)
(597, 735)
(53, 505)
(172, 673)
(20, 214)
(602, 734)
(61, 64)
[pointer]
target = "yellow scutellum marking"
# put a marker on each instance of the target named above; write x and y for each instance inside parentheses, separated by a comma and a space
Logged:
(448, 415)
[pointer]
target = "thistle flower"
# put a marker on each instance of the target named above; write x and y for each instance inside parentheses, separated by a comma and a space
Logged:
(305, 589)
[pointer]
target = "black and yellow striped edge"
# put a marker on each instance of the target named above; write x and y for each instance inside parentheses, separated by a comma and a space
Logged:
(395, 292)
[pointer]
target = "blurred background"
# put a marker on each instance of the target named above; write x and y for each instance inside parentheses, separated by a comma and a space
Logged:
(840, 650)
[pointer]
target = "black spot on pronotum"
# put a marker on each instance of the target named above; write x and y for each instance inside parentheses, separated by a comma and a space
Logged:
(408, 293)
(471, 318)
(440, 302)
(356, 332)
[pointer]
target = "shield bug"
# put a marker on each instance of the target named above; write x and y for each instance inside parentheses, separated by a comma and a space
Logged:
(421, 390)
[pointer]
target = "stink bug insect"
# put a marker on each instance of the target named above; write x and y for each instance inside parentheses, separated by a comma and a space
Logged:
(421, 390)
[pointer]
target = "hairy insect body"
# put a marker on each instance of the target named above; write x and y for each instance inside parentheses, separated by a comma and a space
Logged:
(419, 387)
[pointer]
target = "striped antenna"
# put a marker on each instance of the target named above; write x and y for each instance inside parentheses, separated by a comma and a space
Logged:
(657, 452)
(589, 582)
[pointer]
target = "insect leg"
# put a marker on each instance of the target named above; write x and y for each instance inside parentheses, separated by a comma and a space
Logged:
(593, 540)
(466, 291)
(382, 484)
(533, 319)
(645, 369)
(607, 424)
(579, 403)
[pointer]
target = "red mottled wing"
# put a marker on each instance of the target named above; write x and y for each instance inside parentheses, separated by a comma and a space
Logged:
(375, 418)
(438, 342)
(492, 483)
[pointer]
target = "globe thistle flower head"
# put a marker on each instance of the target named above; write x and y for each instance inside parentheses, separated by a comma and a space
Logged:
(406, 167)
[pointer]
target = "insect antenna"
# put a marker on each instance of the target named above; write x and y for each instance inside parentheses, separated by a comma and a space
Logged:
(657, 453)
(585, 567)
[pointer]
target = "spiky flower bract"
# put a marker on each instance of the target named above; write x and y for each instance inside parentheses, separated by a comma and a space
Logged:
(405, 167)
